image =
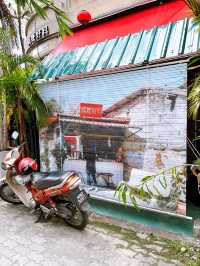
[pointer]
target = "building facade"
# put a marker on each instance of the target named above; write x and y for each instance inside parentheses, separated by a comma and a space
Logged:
(42, 35)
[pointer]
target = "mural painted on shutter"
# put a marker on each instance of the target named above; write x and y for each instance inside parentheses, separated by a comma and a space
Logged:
(141, 129)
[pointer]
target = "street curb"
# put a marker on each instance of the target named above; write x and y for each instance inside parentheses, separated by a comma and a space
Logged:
(141, 228)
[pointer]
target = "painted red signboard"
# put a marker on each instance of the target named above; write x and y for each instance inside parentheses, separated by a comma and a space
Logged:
(70, 139)
(91, 110)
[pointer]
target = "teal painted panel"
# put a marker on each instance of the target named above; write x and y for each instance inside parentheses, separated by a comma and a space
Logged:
(94, 59)
(47, 60)
(176, 38)
(183, 36)
(131, 49)
(192, 39)
(82, 63)
(145, 46)
(64, 62)
(52, 65)
(42, 68)
(159, 42)
(106, 55)
(75, 60)
(118, 52)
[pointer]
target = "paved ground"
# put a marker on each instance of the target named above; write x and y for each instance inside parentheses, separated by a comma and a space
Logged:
(22, 242)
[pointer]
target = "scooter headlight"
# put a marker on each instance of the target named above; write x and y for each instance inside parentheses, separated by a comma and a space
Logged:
(21, 180)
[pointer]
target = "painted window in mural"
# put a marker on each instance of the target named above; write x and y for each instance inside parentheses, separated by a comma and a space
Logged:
(118, 127)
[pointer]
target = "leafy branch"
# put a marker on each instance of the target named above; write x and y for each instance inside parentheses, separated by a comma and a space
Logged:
(143, 190)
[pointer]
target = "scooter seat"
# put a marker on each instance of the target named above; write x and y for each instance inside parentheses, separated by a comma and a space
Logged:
(47, 180)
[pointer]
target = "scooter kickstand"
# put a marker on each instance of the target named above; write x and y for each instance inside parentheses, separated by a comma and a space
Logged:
(44, 217)
(41, 217)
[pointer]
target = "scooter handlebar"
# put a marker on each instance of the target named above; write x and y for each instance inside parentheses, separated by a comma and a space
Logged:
(21, 145)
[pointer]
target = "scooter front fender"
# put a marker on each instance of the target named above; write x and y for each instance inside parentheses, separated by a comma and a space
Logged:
(85, 206)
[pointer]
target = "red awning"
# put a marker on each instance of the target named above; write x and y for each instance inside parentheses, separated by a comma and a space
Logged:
(109, 123)
(162, 14)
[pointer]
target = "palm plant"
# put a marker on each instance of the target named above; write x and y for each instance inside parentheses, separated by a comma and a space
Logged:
(194, 95)
(17, 90)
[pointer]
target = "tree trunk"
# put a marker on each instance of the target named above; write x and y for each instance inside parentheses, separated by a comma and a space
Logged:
(3, 128)
(21, 123)
(19, 20)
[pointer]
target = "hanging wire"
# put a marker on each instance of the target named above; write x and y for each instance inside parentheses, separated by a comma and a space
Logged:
(193, 148)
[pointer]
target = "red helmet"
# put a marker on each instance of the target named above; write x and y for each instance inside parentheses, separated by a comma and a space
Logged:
(27, 166)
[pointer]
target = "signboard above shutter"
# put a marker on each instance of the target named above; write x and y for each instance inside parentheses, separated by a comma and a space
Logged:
(91, 110)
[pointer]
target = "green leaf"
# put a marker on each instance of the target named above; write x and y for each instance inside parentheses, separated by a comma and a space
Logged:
(39, 10)
(197, 162)
(124, 196)
(197, 138)
(133, 200)
(162, 181)
(174, 173)
(195, 59)
(142, 193)
(157, 191)
(147, 179)
(120, 191)
(150, 193)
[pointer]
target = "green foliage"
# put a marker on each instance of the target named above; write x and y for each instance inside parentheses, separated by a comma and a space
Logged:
(129, 193)
(14, 82)
(17, 92)
(38, 7)
(197, 162)
(172, 251)
(194, 98)
(194, 5)
(194, 95)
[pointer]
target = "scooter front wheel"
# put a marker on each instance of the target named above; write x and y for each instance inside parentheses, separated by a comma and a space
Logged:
(8, 195)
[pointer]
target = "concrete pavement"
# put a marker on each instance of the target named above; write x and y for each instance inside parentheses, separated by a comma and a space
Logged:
(22, 242)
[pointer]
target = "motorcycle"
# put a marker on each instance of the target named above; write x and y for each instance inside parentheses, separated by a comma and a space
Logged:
(48, 194)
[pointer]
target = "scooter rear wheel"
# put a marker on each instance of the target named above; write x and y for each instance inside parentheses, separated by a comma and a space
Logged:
(8, 195)
(79, 219)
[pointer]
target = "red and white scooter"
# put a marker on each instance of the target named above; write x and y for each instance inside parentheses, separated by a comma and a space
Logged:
(50, 194)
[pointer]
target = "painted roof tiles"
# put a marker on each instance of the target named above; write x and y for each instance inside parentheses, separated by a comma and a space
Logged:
(181, 37)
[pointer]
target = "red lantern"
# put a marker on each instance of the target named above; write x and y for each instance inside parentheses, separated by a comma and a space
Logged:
(84, 17)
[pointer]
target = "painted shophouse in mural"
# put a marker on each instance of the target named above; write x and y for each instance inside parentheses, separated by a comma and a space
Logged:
(118, 96)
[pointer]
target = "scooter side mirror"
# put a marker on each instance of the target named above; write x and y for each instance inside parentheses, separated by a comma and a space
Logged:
(3, 166)
(15, 135)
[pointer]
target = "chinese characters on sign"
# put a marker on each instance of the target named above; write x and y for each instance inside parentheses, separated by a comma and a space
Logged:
(91, 110)
(38, 35)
